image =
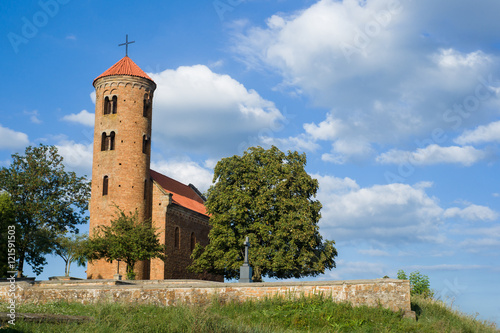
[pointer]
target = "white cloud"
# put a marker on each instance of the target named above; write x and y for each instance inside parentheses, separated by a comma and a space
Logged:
(197, 110)
(391, 213)
(186, 172)
(356, 270)
(472, 213)
(374, 252)
(352, 57)
(77, 157)
(33, 116)
(329, 129)
(433, 154)
(92, 96)
(487, 133)
(83, 117)
(447, 267)
(10, 139)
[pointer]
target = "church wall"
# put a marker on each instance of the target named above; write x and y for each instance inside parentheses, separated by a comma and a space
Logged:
(167, 217)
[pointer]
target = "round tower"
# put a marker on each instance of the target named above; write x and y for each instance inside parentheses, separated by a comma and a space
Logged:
(121, 158)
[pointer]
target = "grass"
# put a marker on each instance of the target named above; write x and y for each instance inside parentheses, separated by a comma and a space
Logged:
(314, 314)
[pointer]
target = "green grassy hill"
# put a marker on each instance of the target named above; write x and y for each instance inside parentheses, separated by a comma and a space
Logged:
(316, 314)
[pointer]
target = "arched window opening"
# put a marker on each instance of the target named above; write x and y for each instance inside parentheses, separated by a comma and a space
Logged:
(193, 241)
(107, 105)
(112, 141)
(103, 141)
(146, 110)
(114, 102)
(177, 241)
(105, 182)
(145, 144)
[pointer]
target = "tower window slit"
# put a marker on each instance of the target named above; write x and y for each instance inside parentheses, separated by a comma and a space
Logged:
(105, 182)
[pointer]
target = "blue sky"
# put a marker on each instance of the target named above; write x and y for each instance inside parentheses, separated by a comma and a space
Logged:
(395, 103)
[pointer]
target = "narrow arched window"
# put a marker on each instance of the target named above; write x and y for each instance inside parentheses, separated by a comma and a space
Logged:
(105, 182)
(112, 141)
(115, 101)
(103, 141)
(193, 241)
(145, 106)
(107, 106)
(177, 241)
(145, 143)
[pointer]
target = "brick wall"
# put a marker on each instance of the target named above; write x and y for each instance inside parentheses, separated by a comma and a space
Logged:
(126, 166)
(191, 226)
(389, 293)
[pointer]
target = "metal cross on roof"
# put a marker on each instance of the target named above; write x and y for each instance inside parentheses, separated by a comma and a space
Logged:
(126, 45)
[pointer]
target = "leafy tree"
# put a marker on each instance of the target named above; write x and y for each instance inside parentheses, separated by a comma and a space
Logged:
(269, 197)
(71, 249)
(47, 201)
(419, 283)
(6, 221)
(126, 239)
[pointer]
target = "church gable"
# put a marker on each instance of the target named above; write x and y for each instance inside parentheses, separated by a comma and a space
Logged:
(186, 196)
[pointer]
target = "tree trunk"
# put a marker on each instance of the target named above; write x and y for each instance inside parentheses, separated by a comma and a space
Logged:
(20, 265)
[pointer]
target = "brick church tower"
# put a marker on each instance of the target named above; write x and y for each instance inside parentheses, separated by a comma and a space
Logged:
(121, 158)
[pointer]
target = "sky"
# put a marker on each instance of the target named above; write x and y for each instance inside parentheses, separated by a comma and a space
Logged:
(396, 104)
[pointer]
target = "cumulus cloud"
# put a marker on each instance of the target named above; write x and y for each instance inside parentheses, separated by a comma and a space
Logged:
(472, 213)
(486, 133)
(77, 157)
(391, 213)
(10, 139)
(433, 154)
(384, 77)
(186, 172)
(197, 110)
(83, 117)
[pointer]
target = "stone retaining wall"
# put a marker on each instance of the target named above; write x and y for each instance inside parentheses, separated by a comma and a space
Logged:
(389, 293)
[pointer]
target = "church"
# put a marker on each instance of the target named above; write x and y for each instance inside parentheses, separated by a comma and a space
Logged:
(121, 176)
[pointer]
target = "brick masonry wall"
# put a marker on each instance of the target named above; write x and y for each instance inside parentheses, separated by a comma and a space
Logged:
(126, 166)
(389, 293)
(167, 216)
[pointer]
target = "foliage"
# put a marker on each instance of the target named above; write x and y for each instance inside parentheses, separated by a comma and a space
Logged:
(313, 314)
(47, 201)
(268, 196)
(419, 283)
(6, 220)
(126, 239)
(71, 249)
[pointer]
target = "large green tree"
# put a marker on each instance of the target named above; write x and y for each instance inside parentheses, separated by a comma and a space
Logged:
(268, 196)
(126, 239)
(47, 201)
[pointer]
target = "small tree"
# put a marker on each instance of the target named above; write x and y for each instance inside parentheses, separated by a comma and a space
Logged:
(419, 283)
(6, 220)
(71, 249)
(268, 196)
(126, 239)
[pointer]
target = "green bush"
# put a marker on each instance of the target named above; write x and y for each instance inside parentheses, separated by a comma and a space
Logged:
(419, 283)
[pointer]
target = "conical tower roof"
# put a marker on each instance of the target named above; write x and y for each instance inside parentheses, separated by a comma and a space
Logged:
(125, 67)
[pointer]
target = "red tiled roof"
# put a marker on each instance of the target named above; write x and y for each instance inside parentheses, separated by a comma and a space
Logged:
(182, 195)
(125, 67)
